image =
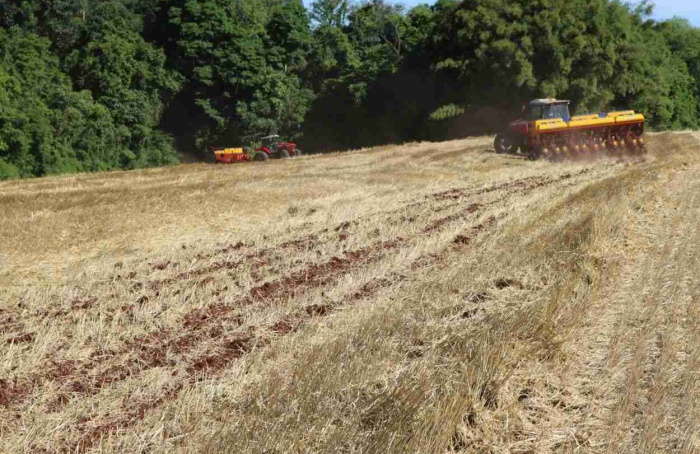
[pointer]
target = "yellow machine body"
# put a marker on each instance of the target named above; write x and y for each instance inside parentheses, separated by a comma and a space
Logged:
(588, 121)
(549, 130)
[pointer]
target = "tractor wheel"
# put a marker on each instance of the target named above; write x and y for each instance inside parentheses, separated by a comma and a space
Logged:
(504, 144)
(297, 152)
(534, 154)
(283, 154)
(261, 156)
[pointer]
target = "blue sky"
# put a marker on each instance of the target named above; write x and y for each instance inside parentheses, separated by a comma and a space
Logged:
(690, 9)
(665, 9)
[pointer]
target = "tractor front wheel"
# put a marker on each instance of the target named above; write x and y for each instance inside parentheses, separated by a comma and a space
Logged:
(534, 153)
(504, 144)
(261, 156)
(283, 154)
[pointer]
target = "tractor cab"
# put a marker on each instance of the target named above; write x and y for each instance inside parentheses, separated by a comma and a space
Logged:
(517, 135)
(269, 142)
(548, 109)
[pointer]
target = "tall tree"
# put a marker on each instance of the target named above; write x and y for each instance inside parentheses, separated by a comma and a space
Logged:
(241, 62)
(330, 13)
(46, 127)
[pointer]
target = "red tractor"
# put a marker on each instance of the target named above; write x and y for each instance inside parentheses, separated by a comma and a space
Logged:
(271, 147)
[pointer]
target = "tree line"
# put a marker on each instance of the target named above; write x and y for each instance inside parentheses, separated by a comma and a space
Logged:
(90, 85)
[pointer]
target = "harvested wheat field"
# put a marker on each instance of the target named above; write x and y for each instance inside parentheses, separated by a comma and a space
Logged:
(426, 298)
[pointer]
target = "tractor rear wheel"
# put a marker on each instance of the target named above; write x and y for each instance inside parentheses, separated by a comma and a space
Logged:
(504, 144)
(261, 156)
(297, 152)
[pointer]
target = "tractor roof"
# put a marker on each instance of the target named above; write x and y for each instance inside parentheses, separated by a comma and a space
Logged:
(273, 136)
(547, 102)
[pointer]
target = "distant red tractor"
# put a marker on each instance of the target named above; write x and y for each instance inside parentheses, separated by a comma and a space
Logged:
(270, 148)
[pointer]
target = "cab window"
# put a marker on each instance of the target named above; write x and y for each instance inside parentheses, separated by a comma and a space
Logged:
(536, 113)
(557, 111)
(547, 112)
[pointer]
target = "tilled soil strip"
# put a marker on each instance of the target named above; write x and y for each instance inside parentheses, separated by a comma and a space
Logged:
(232, 348)
(13, 323)
(206, 324)
(10, 323)
(199, 325)
(313, 240)
(152, 349)
(256, 258)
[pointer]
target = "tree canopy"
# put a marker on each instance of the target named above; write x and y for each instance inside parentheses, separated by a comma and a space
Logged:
(121, 84)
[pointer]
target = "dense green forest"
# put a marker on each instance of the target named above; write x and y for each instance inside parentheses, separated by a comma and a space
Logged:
(88, 85)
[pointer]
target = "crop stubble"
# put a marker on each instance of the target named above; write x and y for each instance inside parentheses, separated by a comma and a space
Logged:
(207, 339)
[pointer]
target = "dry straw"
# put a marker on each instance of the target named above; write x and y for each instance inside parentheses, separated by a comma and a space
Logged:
(422, 298)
